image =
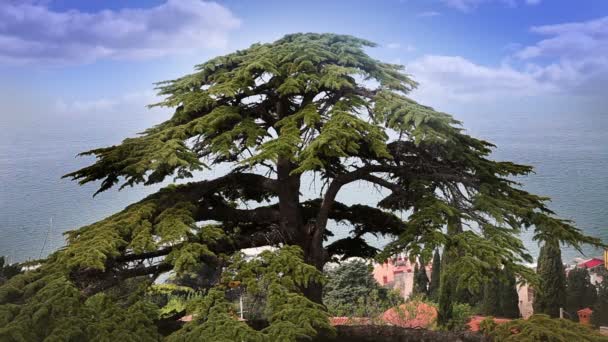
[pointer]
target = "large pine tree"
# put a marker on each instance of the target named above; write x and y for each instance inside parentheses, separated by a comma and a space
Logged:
(278, 116)
(551, 291)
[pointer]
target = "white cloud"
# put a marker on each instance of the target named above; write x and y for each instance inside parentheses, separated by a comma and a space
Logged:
(393, 45)
(428, 14)
(31, 32)
(577, 53)
(455, 78)
(571, 62)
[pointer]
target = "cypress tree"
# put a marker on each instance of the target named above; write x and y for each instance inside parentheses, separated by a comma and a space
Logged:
(491, 298)
(421, 281)
(278, 115)
(435, 276)
(509, 299)
(7, 271)
(580, 293)
(600, 308)
(551, 293)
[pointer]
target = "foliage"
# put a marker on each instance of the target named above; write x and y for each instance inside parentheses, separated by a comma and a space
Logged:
(7, 271)
(491, 298)
(352, 291)
(580, 293)
(500, 296)
(435, 276)
(281, 274)
(35, 307)
(421, 280)
(543, 328)
(509, 298)
(172, 299)
(599, 317)
(274, 114)
(202, 276)
(487, 326)
(461, 315)
(418, 312)
(550, 294)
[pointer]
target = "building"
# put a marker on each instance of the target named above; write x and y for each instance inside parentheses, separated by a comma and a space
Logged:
(398, 273)
(596, 269)
(526, 300)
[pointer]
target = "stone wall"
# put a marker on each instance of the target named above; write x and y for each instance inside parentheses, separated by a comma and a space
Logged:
(387, 333)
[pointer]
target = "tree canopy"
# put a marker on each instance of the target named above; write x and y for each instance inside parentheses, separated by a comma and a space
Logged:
(435, 276)
(7, 271)
(543, 328)
(352, 291)
(421, 280)
(600, 307)
(279, 116)
(550, 294)
(580, 293)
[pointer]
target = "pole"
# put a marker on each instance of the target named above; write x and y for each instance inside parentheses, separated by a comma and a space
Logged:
(241, 305)
(46, 238)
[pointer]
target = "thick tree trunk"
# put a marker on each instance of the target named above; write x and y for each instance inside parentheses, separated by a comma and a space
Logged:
(295, 230)
(304, 234)
(289, 201)
(314, 254)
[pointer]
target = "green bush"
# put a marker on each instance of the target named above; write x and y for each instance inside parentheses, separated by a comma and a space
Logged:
(487, 326)
(544, 328)
(461, 315)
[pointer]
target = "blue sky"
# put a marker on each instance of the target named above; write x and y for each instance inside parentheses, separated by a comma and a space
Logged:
(70, 56)
(77, 74)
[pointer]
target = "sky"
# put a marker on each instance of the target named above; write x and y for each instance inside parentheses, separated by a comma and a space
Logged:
(72, 57)
(76, 75)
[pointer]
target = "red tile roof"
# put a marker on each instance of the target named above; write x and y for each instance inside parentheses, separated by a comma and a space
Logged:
(591, 263)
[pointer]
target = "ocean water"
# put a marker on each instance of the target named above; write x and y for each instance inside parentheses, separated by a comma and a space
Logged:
(569, 152)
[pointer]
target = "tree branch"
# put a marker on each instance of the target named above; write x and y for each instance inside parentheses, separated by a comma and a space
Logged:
(94, 281)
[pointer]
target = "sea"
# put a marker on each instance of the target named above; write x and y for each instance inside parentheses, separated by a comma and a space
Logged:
(569, 153)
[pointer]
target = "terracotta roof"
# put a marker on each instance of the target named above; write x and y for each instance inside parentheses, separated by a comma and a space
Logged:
(591, 263)
(411, 315)
(475, 320)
